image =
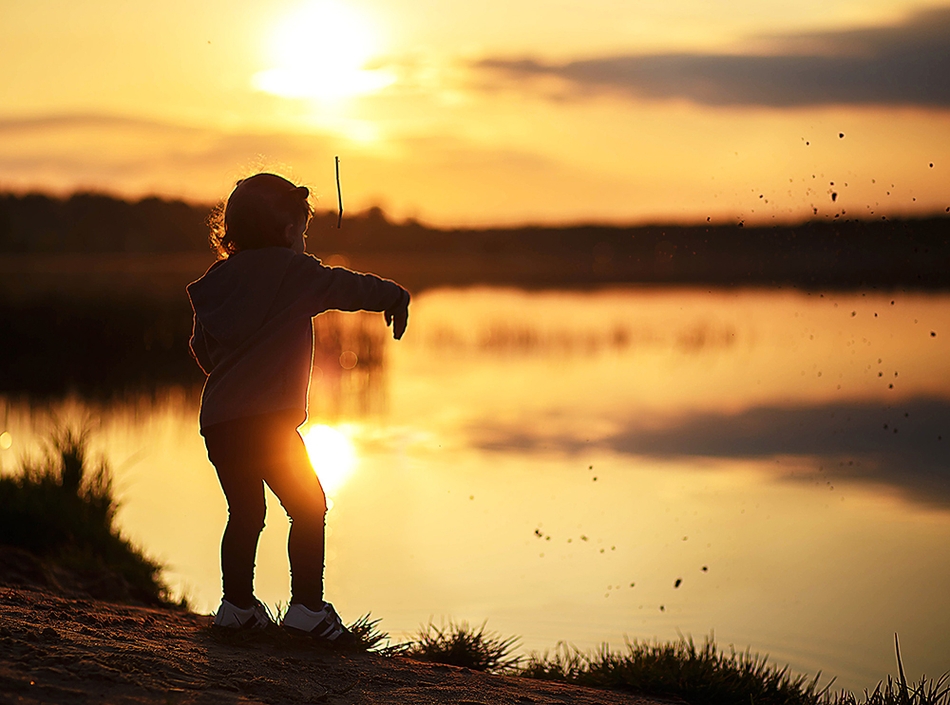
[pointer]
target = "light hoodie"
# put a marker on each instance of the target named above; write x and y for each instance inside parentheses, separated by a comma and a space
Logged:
(253, 330)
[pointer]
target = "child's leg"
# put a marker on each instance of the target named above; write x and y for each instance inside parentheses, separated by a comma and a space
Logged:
(296, 485)
(231, 450)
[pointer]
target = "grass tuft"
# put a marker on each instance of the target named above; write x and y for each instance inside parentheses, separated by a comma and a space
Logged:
(371, 638)
(895, 692)
(700, 675)
(459, 644)
(62, 508)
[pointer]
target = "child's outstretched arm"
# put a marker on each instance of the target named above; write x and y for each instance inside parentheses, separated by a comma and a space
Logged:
(337, 288)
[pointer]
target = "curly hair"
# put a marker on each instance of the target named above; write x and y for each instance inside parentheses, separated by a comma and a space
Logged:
(257, 214)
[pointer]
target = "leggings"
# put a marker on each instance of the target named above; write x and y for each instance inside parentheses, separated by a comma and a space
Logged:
(246, 453)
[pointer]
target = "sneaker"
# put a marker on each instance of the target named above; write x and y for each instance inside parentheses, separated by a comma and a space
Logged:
(230, 616)
(324, 625)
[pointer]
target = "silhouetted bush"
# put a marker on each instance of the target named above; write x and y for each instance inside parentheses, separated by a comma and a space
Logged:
(62, 508)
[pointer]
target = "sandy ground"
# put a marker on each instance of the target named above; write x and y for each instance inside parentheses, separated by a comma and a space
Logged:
(65, 650)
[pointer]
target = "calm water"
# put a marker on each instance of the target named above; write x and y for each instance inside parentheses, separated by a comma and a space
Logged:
(768, 466)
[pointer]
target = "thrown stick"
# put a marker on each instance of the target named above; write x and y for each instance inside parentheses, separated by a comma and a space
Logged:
(339, 196)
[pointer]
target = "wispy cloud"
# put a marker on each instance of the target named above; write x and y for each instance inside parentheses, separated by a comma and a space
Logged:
(902, 64)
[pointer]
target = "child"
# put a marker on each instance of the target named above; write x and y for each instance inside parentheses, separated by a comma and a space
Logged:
(253, 337)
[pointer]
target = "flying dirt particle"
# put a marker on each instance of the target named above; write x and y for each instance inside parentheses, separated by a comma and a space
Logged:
(807, 143)
(705, 568)
(679, 581)
(890, 386)
(840, 135)
(594, 478)
(834, 196)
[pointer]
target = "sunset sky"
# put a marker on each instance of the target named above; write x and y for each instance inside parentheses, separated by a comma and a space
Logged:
(495, 112)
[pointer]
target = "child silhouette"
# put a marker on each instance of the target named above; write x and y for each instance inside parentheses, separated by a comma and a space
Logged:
(253, 338)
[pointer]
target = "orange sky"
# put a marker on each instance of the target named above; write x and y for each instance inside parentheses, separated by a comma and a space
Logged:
(491, 112)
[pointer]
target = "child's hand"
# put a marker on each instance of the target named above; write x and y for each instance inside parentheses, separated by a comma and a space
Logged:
(398, 315)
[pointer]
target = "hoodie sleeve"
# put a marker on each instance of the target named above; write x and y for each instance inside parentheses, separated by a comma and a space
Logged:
(340, 289)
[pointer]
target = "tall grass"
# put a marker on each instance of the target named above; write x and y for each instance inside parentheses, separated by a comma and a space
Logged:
(681, 671)
(62, 508)
(700, 675)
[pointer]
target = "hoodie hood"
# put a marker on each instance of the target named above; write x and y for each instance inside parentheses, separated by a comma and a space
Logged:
(233, 298)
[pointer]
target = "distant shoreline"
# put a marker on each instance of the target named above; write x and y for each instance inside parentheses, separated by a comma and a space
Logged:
(165, 243)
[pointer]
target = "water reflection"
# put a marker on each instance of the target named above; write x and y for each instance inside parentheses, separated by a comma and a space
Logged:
(898, 446)
(656, 461)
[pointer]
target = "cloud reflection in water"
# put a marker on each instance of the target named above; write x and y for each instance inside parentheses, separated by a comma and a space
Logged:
(903, 445)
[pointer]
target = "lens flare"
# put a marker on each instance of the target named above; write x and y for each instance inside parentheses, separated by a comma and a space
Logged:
(332, 454)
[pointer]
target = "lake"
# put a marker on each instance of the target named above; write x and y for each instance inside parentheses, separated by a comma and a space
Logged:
(768, 466)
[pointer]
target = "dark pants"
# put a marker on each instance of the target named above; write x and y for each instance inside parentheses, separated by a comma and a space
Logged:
(247, 453)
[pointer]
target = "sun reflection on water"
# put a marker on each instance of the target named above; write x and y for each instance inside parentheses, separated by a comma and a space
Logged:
(332, 455)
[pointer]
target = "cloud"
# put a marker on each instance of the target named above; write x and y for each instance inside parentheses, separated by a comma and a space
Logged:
(904, 446)
(902, 64)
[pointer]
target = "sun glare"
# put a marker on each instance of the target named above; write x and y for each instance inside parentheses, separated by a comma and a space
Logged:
(321, 52)
(332, 455)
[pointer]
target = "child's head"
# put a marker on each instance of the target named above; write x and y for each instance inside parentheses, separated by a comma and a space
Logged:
(258, 213)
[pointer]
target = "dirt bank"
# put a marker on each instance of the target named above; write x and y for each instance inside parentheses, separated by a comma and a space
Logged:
(65, 650)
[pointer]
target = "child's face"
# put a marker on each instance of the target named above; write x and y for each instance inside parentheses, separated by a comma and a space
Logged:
(296, 236)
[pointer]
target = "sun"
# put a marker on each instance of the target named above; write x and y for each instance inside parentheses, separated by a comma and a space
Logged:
(321, 52)
(332, 455)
